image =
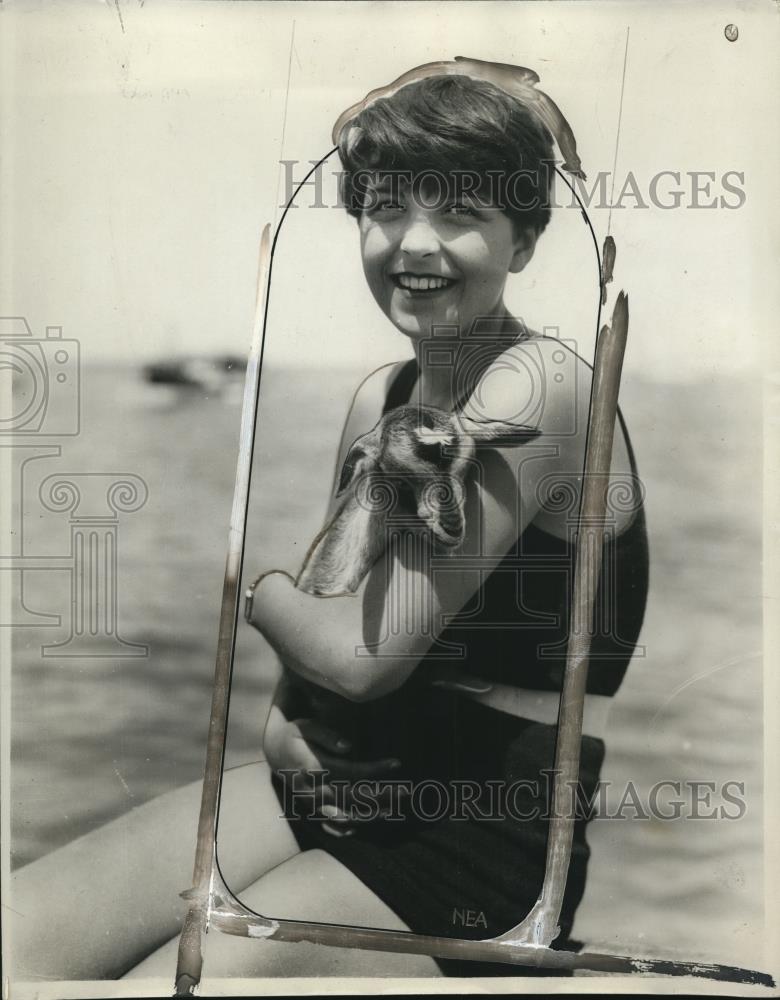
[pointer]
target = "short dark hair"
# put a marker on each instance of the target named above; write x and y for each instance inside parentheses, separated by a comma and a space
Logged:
(453, 125)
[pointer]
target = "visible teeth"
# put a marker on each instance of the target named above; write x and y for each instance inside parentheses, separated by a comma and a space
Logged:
(417, 284)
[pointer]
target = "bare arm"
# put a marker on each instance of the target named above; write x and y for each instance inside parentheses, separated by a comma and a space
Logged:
(288, 701)
(367, 645)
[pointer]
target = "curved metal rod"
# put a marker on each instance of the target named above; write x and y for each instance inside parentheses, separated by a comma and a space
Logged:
(190, 959)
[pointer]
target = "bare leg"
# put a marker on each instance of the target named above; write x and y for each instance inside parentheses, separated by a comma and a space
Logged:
(99, 905)
(309, 886)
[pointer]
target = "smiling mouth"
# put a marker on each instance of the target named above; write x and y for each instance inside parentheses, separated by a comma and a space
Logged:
(421, 282)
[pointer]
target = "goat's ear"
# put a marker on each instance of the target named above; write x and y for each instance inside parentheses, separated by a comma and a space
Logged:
(497, 433)
(350, 469)
(360, 460)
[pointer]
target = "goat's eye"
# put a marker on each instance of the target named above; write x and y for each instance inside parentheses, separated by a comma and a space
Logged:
(428, 420)
(433, 452)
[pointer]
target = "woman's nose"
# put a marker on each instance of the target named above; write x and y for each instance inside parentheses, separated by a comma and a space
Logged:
(420, 238)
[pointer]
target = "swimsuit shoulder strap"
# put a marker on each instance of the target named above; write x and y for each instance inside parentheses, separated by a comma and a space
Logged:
(629, 446)
(401, 387)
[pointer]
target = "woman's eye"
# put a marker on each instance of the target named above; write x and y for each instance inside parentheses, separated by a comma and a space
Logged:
(386, 205)
(460, 208)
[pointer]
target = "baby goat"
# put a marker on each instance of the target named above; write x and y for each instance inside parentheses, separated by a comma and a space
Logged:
(416, 455)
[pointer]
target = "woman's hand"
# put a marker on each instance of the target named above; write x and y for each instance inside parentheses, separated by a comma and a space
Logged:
(318, 754)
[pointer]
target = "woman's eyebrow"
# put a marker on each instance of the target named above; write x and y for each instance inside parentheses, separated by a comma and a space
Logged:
(386, 184)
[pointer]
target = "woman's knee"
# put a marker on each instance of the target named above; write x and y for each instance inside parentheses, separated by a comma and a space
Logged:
(314, 886)
(252, 834)
(311, 886)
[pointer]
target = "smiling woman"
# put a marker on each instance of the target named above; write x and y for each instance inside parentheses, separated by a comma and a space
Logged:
(433, 261)
(450, 183)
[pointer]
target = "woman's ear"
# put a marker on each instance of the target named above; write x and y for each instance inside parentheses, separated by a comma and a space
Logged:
(525, 244)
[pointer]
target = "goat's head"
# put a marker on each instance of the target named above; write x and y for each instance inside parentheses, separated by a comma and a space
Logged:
(429, 450)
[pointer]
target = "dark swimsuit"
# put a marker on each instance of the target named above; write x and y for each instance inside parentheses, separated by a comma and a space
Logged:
(464, 875)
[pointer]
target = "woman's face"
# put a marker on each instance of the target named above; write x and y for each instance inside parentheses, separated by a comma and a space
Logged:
(434, 260)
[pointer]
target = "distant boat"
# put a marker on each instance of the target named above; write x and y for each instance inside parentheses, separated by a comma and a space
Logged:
(212, 374)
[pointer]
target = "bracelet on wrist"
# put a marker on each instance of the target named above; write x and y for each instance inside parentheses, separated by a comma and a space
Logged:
(249, 593)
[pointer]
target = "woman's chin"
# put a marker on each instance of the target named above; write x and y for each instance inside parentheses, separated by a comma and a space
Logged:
(417, 326)
(415, 331)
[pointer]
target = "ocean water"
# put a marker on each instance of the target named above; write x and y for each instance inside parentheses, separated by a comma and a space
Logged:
(95, 737)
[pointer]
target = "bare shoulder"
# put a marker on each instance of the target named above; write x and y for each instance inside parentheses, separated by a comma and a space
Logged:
(365, 409)
(368, 399)
(543, 383)
(537, 381)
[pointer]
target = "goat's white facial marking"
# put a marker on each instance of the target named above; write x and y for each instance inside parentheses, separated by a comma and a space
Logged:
(428, 436)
